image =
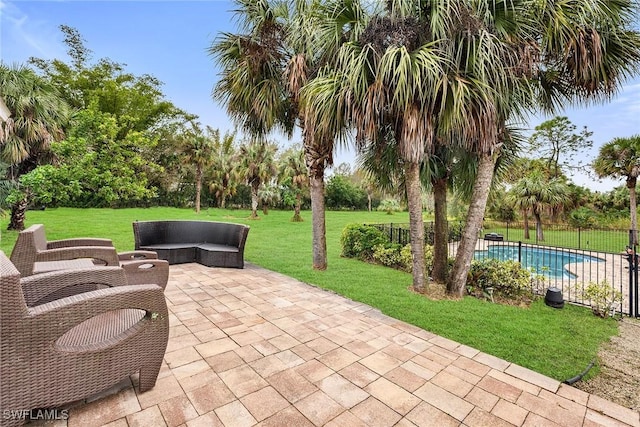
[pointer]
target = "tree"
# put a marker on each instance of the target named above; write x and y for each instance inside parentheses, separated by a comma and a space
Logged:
(570, 53)
(38, 116)
(197, 150)
(536, 193)
(264, 69)
(620, 158)
(556, 142)
(94, 168)
(257, 165)
(222, 178)
(292, 169)
(415, 70)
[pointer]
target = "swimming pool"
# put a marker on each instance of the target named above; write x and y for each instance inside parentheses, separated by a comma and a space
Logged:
(548, 262)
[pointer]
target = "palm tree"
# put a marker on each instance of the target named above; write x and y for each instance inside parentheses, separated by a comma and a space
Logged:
(221, 175)
(292, 168)
(38, 116)
(402, 77)
(536, 193)
(620, 158)
(263, 71)
(256, 165)
(197, 150)
(571, 53)
(269, 195)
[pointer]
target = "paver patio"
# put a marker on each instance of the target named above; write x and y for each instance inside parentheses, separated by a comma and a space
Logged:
(253, 347)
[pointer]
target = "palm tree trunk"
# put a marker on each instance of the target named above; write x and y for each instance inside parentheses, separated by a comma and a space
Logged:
(525, 214)
(467, 246)
(319, 244)
(416, 225)
(198, 188)
(633, 209)
(441, 232)
(539, 232)
(254, 201)
(296, 209)
(369, 202)
(18, 213)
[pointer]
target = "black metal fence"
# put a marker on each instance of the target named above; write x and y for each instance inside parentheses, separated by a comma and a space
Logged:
(562, 257)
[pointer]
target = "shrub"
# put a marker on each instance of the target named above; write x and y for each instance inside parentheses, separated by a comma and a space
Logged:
(358, 241)
(389, 255)
(396, 256)
(502, 279)
(605, 299)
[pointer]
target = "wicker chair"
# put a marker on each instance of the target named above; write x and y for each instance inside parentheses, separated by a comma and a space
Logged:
(57, 351)
(32, 249)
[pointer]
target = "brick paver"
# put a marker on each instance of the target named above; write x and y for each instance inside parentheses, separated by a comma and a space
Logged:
(253, 347)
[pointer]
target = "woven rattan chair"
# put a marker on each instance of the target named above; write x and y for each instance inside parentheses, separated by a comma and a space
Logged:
(57, 351)
(33, 250)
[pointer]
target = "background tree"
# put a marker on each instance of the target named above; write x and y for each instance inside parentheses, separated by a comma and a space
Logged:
(38, 117)
(256, 164)
(620, 158)
(197, 151)
(538, 194)
(292, 170)
(221, 176)
(556, 142)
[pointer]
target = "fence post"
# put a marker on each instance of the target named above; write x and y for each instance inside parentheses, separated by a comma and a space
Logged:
(520, 252)
(579, 247)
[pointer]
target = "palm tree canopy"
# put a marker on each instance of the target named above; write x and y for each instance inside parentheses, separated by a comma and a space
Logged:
(537, 193)
(38, 114)
(256, 162)
(619, 158)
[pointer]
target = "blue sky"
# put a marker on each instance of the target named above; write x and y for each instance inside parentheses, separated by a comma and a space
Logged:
(169, 40)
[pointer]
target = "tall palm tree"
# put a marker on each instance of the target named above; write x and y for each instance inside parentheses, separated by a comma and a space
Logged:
(293, 167)
(284, 44)
(402, 76)
(197, 151)
(620, 158)
(538, 194)
(570, 52)
(38, 116)
(256, 163)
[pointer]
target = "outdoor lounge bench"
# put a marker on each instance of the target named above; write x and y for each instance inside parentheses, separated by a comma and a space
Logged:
(214, 244)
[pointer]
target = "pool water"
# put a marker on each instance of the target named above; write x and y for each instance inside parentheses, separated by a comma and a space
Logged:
(548, 262)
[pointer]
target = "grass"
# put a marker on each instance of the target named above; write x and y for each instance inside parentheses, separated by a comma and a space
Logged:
(557, 343)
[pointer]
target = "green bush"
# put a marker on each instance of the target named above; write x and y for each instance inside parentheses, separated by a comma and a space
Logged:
(389, 255)
(396, 256)
(605, 299)
(358, 241)
(502, 279)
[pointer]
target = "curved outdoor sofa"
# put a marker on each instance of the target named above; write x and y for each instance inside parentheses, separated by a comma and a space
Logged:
(214, 244)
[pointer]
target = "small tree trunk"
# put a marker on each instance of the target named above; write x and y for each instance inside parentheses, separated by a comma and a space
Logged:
(539, 233)
(369, 201)
(265, 209)
(18, 213)
(223, 201)
(254, 201)
(525, 214)
(416, 225)
(296, 209)
(441, 231)
(466, 248)
(198, 188)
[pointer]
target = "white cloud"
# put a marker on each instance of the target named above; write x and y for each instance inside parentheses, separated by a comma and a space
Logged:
(23, 37)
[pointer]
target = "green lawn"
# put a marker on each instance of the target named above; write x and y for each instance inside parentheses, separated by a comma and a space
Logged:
(557, 343)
